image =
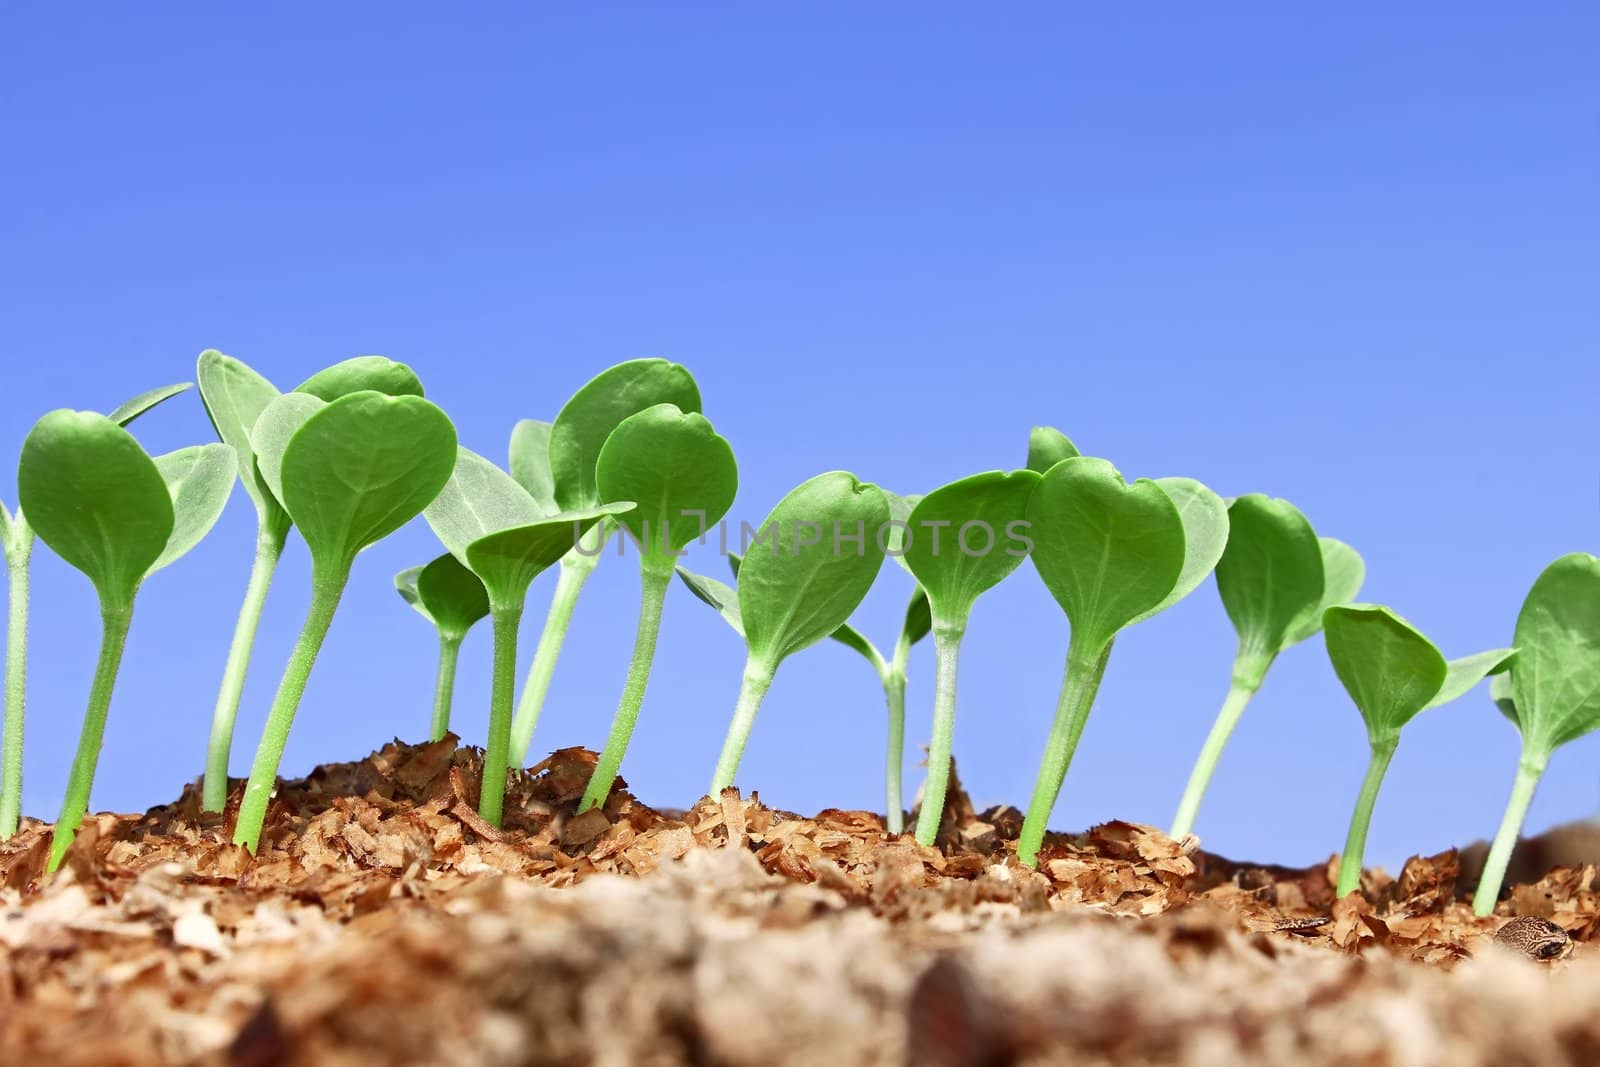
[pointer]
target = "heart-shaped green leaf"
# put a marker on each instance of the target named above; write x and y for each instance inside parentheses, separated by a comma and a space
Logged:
(361, 468)
(587, 420)
(478, 500)
(1390, 670)
(94, 496)
(717, 594)
(679, 471)
(1555, 682)
(1343, 571)
(199, 480)
(359, 375)
(1464, 673)
(1270, 575)
(963, 540)
(509, 560)
(445, 593)
(812, 579)
(1205, 536)
(234, 397)
(530, 463)
(124, 414)
(1108, 551)
(1048, 446)
(277, 424)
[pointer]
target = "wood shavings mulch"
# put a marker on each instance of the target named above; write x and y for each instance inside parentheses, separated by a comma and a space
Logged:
(384, 922)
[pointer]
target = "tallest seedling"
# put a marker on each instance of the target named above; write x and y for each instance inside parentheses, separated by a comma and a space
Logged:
(235, 396)
(348, 473)
(683, 477)
(16, 538)
(555, 463)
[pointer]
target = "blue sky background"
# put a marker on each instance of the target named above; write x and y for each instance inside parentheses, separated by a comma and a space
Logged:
(1348, 257)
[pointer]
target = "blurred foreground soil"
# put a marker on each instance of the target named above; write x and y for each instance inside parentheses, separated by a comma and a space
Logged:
(384, 923)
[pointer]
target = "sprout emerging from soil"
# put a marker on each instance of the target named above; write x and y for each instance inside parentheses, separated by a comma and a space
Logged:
(1391, 672)
(684, 477)
(1553, 694)
(103, 505)
(348, 473)
(16, 539)
(235, 396)
(798, 590)
(496, 529)
(1112, 554)
(979, 518)
(1276, 578)
(555, 463)
(449, 595)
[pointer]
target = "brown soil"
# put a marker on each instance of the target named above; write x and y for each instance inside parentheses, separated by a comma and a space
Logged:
(383, 922)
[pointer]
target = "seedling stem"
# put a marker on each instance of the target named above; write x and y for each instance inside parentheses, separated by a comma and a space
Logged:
(18, 550)
(1529, 770)
(502, 694)
(326, 590)
(114, 621)
(946, 653)
(757, 680)
(654, 579)
(269, 547)
(444, 688)
(576, 566)
(1248, 672)
(1355, 843)
(1085, 668)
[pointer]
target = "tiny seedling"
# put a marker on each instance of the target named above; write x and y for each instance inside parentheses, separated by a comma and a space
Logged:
(1391, 672)
(684, 477)
(1553, 695)
(555, 462)
(235, 396)
(962, 541)
(348, 473)
(16, 538)
(1276, 578)
(801, 588)
(103, 505)
(451, 597)
(498, 531)
(1112, 554)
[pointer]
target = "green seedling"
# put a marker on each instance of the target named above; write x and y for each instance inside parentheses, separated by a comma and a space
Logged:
(347, 473)
(801, 588)
(557, 462)
(103, 505)
(1112, 554)
(1276, 578)
(496, 529)
(1391, 672)
(684, 477)
(964, 539)
(234, 397)
(451, 597)
(1553, 693)
(16, 538)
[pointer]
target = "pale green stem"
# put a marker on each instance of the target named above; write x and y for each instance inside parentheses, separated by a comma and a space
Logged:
(325, 594)
(894, 691)
(575, 570)
(113, 638)
(444, 688)
(1085, 668)
(1530, 768)
(653, 595)
(1355, 843)
(752, 690)
(19, 554)
(947, 653)
(1248, 671)
(502, 691)
(269, 546)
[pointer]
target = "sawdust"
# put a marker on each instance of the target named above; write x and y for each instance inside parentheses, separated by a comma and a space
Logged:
(384, 922)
